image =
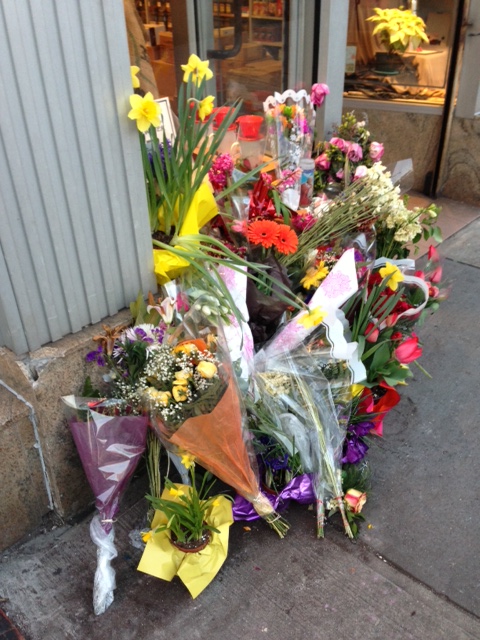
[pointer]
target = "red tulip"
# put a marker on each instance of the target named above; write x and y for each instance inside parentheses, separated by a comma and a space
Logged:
(433, 254)
(436, 275)
(409, 350)
(371, 332)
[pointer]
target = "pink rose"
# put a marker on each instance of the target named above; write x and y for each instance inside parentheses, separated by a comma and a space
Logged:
(322, 162)
(318, 93)
(409, 350)
(354, 152)
(340, 143)
(360, 172)
(354, 500)
(340, 174)
(376, 151)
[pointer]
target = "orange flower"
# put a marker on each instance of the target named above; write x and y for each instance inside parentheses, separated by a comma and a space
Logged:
(287, 241)
(264, 232)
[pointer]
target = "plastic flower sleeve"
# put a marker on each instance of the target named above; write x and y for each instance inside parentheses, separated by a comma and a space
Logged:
(214, 433)
(110, 447)
(299, 397)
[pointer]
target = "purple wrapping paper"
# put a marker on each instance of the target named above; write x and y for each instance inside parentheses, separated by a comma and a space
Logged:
(300, 489)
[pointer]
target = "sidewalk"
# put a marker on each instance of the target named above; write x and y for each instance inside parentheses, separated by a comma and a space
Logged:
(413, 574)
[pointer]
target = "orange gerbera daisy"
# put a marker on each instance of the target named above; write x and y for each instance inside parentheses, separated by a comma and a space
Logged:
(286, 241)
(264, 232)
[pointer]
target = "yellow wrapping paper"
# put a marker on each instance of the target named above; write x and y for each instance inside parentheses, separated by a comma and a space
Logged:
(203, 208)
(196, 570)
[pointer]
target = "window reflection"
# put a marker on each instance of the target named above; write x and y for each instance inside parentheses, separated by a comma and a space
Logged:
(420, 73)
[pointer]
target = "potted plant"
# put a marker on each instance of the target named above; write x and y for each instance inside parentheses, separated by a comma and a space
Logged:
(398, 29)
(187, 511)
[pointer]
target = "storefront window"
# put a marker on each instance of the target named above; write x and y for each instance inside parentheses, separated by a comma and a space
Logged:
(420, 72)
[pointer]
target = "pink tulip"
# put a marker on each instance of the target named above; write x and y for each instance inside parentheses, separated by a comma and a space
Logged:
(409, 350)
(436, 275)
(318, 93)
(376, 151)
(433, 254)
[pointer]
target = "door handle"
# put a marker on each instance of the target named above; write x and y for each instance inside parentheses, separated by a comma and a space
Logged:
(223, 54)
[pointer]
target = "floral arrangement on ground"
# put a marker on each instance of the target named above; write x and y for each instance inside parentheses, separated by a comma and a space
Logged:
(286, 319)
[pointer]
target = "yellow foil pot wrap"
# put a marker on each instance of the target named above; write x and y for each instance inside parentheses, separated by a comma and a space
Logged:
(196, 570)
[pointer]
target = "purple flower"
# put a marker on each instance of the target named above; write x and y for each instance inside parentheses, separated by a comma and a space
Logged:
(96, 356)
(318, 93)
(361, 428)
(354, 450)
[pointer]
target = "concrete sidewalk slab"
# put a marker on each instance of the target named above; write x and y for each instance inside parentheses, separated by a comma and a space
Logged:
(426, 485)
(291, 589)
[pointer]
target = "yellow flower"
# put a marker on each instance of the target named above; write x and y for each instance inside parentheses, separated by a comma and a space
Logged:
(188, 460)
(312, 318)
(187, 348)
(176, 493)
(314, 276)
(162, 397)
(135, 81)
(216, 503)
(145, 111)
(196, 68)
(146, 535)
(205, 107)
(180, 393)
(393, 274)
(206, 369)
(356, 389)
(181, 377)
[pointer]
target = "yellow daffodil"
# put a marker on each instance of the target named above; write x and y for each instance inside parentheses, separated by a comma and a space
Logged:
(197, 69)
(312, 319)
(179, 393)
(188, 460)
(393, 274)
(205, 107)
(206, 369)
(145, 111)
(135, 81)
(314, 276)
(176, 493)
(146, 535)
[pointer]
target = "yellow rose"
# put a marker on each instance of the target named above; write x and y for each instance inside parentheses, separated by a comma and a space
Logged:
(180, 393)
(206, 369)
(182, 377)
(187, 348)
(355, 500)
(162, 397)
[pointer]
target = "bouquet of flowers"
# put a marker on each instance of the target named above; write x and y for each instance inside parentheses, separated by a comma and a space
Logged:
(346, 156)
(110, 443)
(194, 406)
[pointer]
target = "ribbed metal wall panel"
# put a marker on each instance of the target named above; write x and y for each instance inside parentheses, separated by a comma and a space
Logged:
(75, 245)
